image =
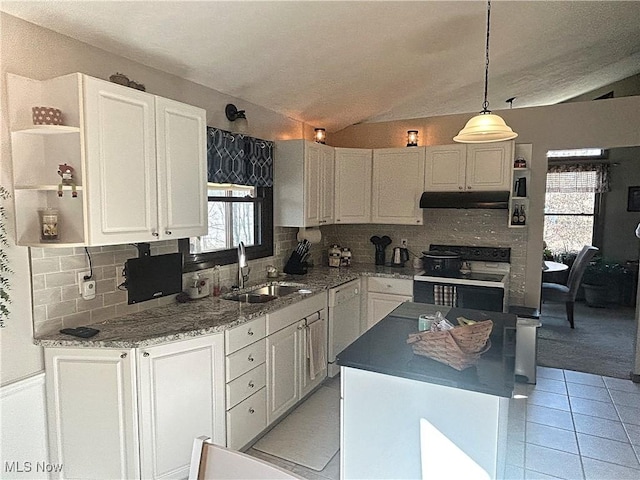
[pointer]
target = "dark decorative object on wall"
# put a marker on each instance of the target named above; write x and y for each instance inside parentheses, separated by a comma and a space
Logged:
(233, 113)
(633, 201)
(239, 159)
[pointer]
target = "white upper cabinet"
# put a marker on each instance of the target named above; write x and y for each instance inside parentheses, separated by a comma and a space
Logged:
(398, 175)
(139, 163)
(303, 196)
(353, 185)
(181, 149)
(480, 167)
(445, 167)
(489, 166)
(146, 166)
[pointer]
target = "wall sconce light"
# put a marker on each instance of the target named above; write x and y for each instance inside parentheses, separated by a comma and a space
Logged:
(233, 113)
(412, 138)
(320, 135)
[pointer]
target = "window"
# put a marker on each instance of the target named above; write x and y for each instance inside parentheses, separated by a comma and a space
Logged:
(236, 213)
(572, 205)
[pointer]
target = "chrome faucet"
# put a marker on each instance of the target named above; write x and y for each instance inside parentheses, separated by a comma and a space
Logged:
(243, 269)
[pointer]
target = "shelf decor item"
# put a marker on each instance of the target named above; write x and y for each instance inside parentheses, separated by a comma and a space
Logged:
(48, 224)
(46, 116)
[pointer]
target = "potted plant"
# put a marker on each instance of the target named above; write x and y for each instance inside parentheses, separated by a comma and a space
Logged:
(600, 282)
(5, 269)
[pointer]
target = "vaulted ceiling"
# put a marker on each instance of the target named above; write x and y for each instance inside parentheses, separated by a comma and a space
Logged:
(336, 63)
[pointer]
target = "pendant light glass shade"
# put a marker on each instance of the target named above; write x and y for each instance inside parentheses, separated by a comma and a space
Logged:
(485, 128)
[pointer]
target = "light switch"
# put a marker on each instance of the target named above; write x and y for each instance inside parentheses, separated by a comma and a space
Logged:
(89, 289)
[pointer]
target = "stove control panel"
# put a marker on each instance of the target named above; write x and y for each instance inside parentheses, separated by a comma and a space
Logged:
(481, 254)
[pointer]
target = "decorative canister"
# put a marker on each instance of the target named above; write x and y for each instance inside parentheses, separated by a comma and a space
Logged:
(345, 257)
(334, 255)
(48, 224)
(520, 162)
(46, 116)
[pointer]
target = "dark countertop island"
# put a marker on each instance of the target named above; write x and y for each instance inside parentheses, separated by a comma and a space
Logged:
(383, 349)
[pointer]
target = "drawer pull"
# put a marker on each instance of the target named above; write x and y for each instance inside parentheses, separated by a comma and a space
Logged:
(250, 333)
(251, 410)
(251, 384)
(145, 354)
(167, 232)
(301, 327)
(155, 234)
(250, 357)
(124, 355)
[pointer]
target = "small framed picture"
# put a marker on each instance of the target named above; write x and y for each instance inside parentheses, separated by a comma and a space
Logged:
(633, 202)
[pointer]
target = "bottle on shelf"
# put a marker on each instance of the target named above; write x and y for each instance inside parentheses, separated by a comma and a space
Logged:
(515, 216)
(522, 217)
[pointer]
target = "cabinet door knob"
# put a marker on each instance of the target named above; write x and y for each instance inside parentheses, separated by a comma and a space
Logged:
(250, 333)
(145, 354)
(250, 358)
(460, 188)
(123, 355)
(468, 187)
(155, 234)
(300, 327)
(251, 410)
(251, 384)
(167, 232)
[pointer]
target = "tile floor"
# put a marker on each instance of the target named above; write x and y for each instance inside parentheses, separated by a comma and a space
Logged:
(570, 426)
(574, 425)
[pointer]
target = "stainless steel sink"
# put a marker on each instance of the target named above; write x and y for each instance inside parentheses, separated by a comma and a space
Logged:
(276, 290)
(250, 297)
(263, 294)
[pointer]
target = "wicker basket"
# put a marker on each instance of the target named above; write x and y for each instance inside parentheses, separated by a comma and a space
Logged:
(459, 347)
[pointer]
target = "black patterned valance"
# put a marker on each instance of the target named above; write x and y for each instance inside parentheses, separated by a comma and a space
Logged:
(239, 159)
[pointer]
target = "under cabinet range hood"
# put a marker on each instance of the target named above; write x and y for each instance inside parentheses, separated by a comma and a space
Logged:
(494, 200)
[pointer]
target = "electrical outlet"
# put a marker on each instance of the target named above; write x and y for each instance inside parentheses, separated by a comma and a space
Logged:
(81, 279)
(89, 289)
(404, 242)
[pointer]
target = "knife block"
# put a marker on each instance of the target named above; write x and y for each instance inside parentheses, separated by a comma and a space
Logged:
(295, 265)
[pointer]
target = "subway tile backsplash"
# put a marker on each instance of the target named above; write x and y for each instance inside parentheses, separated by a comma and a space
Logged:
(57, 302)
(445, 227)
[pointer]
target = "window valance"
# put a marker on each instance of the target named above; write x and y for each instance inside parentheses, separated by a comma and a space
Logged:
(238, 159)
(578, 177)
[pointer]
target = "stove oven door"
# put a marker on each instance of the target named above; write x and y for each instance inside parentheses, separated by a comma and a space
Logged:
(467, 296)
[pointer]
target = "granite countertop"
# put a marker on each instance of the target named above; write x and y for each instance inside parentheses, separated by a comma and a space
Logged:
(210, 315)
(383, 349)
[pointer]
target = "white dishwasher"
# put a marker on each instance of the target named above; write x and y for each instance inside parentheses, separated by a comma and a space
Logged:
(344, 320)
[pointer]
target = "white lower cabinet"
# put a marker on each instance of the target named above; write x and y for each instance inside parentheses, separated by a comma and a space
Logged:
(133, 413)
(92, 413)
(179, 395)
(384, 295)
(288, 365)
(245, 382)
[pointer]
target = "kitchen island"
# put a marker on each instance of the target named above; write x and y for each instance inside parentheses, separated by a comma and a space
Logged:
(408, 416)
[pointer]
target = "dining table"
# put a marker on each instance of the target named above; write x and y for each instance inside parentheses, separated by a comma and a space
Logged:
(553, 267)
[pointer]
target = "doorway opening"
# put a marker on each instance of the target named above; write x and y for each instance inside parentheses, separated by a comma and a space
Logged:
(586, 204)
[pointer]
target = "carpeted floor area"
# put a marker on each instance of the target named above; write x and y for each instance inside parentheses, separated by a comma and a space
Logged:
(602, 342)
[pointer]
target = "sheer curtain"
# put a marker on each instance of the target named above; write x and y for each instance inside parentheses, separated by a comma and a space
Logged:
(578, 177)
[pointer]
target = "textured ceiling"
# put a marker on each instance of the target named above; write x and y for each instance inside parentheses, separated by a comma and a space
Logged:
(334, 64)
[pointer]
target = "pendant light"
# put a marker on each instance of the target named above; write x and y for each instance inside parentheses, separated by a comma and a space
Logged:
(485, 127)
